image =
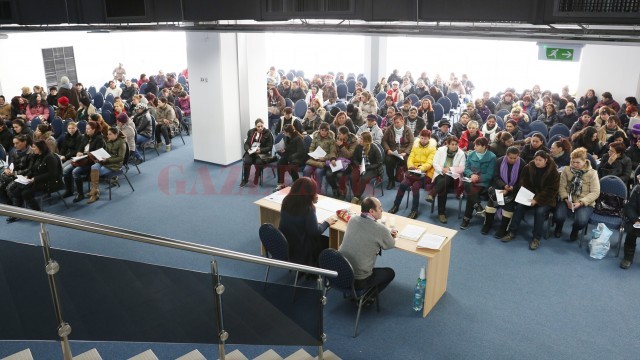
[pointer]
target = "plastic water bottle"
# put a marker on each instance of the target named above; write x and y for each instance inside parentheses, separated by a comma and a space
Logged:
(418, 296)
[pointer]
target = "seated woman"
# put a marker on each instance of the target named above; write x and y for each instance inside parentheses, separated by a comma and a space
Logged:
(76, 171)
(143, 124)
(506, 178)
(345, 144)
(579, 189)
(128, 129)
(521, 119)
(20, 128)
(292, 157)
(420, 160)
(116, 147)
(320, 110)
(560, 151)
(383, 110)
(387, 120)
(367, 157)
(45, 132)
(43, 173)
(102, 125)
(299, 224)
(618, 136)
(325, 139)
(425, 111)
(549, 116)
(311, 122)
(65, 110)
(448, 165)
(610, 128)
(529, 150)
(540, 176)
(342, 119)
(85, 110)
(512, 128)
(502, 142)
(70, 144)
(616, 163)
(397, 138)
(482, 109)
(369, 104)
(490, 128)
(166, 123)
(21, 157)
(479, 169)
(632, 217)
(37, 107)
(588, 139)
(470, 135)
(257, 149)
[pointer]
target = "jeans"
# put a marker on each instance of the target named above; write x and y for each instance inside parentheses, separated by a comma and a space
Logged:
(315, 173)
(101, 168)
(541, 212)
(581, 214)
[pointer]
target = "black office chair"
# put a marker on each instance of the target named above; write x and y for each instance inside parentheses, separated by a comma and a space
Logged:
(276, 247)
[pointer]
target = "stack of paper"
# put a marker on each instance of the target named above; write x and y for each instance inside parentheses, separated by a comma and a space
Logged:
(397, 154)
(524, 196)
(101, 154)
(431, 241)
(276, 197)
(322, 215)
(417, 172)
(412, 232)
(337, 167)
(21, 179)
(318, 153)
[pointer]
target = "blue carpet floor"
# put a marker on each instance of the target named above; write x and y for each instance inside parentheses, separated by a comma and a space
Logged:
(502, 301)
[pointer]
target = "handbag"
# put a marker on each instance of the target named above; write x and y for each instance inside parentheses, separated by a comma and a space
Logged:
(491, 191)
(83, 162)
(345, 163)
(609, 204)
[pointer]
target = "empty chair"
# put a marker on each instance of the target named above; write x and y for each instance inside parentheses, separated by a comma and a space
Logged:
(82, 126)
(495, 99)
(553, 139)
(103, 90)
(52, 114)
(500, 122)
(109, 98)
(342, 91)
(341, 106)
(58, 127)
(438, 112)
(502, 113)
(98, 100)
(538, 126)
(351, 86)
(107, 106)
(446, 104)
(35, 122)
(364, 81)
(414, 99)
(381, 96)
(559, 129)
(107, 115)
(143, 87)
(455, 99)
(92, 91)
(300, 108)
(291, 76)
(288, 102)
(300, 73)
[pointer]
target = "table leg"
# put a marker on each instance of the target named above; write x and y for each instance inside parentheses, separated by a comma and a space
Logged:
(335, 238)
(437, 277)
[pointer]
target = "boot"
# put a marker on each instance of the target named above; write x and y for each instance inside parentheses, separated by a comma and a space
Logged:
(94, 194)
(68, 189)
(503, 227)
(33, 204)
(488, 222)
(628, 259)
(79, 187)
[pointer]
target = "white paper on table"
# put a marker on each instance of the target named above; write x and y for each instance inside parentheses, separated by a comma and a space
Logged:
(279, 146)
(431, 241)
(500, 197)
(397, 154)
(21, 179)
(323, 215)
(412, 232)
(276, 197)
(338, 166)
(524, 196)
(318, 153)
(76, 158)
(101, 154)
(331, 204)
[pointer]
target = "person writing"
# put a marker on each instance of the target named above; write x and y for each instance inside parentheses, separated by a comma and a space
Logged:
(363, 241)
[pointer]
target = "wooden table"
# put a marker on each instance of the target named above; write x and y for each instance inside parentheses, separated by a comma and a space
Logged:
(437, 260)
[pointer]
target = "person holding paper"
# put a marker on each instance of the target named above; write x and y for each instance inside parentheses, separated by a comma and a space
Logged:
(479, 169)
(292, 157)
(76, 171)
(299, 223)
(43, 174)
(116, 147)
(502, 193)
(397, 138)
(324, 139)
(420, 172)
(448, 166)
(342, 119)
(20, 159)
(579, 189)
(363, 240)
(257, 150)
(366, 164)
(541, 177)
(345, 144)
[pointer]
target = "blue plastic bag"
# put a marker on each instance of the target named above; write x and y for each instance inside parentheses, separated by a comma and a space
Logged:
(599, 244)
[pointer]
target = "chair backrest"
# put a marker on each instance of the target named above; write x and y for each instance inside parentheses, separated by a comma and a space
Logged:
(98, 100)
(107, 106)
(635, 176)
(288, 102)
(3, 153)
(109, 98)
(592, 160)
(364, 81)
(307, 143)
(332, 259)
(559, 129)
(108, 118)
(613, 185)
(300, 108)
(182, 80)
(351, 86)
(430, 98)
(35, 122)
(342, 90)
(52, 114)
(539, 126)
(554, 138)
(502, 113)
(455, 99)
(381, 96)
(446, 103)
(143, 87)
(341, 106)
(500, 122)
(291, 76)
(340, 81)
(300, 73)
(103, 90)
(414, 99)
(82, 126)
(544, 141)
(92, 91)
(495, 99)
(58, 127)
(438, 111)
(274, 242)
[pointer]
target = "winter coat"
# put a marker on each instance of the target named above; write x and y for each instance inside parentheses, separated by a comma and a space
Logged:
(369, 107)
(527, 153)
(266, 142)
(499, 183)
(465, 144)
(482, 167)
(327, 143)
(116, 149)
(376, 132)
(457, 166)
(95, 142)
(68, 112)
(590, 185)
(633, 153)
(294, 150)
(46, 172)
(567, 120)
(418, 126)
(143, 123)
(129, 131)
(71, 145)
(544, 187)
(346, 149)
(311, 125)
(421, 157)
(621, 167)
(548, 120)
(389, 140)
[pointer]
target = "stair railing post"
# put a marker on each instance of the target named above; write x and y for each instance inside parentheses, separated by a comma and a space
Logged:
(219, 290)
(51, 268)
(320, 286)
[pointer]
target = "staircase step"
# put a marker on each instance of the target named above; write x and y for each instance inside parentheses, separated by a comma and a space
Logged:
(22, 355)
(147, 355)
(269, 355)
(88, 355)
(299, 355)
(235, 355)
(194, 355)
(328, 355)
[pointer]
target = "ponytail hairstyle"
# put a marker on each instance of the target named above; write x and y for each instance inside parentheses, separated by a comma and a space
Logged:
(367, 140)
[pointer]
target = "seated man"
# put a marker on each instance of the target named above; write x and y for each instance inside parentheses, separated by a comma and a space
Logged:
(397, 138)
(371, 126)
(114, 90)
(442, 132)
(421, 160)
(363, 240)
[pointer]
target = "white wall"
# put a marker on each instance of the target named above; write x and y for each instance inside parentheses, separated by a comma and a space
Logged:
(96, 54)
(612, 68)
(252, 64)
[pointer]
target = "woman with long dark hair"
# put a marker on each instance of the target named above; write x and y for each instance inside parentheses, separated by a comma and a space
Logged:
(292, 157)
(37, 107)
(299, 223)
(588, 139)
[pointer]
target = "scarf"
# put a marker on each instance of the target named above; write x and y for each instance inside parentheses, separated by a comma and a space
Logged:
(480, 156)
(398, 134)
(256, 138)
(575, 188)
(449, 160)
(512, 178)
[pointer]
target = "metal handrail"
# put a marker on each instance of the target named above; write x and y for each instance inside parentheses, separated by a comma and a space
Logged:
(97, 228)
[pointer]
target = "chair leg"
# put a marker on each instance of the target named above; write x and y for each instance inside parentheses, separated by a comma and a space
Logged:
(63, 200)
(460, 207)
(621, 230)
(355, 331)
(266, 276)
(127, 178)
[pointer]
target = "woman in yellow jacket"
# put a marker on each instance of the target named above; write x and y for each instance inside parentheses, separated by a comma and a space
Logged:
(420, 165)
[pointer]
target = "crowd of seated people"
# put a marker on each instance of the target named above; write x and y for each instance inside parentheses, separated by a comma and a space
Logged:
(498, 145)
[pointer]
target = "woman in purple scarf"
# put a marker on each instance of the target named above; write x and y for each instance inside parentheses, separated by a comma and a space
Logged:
(506, 178)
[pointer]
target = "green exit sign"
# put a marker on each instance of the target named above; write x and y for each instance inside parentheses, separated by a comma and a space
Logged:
(557, 53)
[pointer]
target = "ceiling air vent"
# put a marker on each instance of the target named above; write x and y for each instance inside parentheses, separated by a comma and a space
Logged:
(301, 8)
(597, 8)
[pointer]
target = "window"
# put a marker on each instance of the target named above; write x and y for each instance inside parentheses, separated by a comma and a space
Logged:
(59, 62)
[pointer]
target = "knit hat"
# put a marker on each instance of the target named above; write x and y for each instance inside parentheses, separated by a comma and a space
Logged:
(63, 100)
(123, 118)
(141, 106)
(444, 122)
(635, 130)
(372, 117)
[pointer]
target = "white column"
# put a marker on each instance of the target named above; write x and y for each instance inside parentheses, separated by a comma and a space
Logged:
(375, 61)
(612, 68)
(228, 92)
